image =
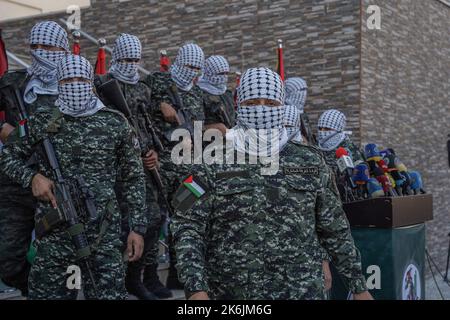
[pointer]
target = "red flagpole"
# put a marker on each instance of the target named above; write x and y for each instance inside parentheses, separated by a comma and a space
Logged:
(238, 81)
(100, 65)
(280, 67)
(3, 56)
(164, 61)
(76, 42)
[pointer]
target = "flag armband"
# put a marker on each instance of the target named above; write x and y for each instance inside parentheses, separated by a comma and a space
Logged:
(191, 190)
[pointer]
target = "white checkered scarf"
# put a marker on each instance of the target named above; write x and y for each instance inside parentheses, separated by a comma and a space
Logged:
(76, 99)
(126, 46)
(296, 92)
(189, 54)
(335, 120)
(292, 123)
(264, 121)
(211, 81)
(43, 62)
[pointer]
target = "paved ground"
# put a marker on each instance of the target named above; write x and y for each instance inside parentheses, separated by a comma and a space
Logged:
(431, 292)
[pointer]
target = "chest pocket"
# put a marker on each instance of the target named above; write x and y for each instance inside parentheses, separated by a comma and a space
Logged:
(234, 195)
(302, 191)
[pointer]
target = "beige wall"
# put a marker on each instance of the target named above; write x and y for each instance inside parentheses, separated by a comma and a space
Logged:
(19, 9)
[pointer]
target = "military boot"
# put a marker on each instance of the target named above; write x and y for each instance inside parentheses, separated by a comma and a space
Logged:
(134, 285)
(19, 280)
(152, 283)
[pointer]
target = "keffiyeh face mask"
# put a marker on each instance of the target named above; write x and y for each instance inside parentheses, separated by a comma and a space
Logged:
(296, 92)
(76, 98)
(126, 47)
(336, 121)
(43, 66)
(188, 55)
(264, 121)
(213, 80)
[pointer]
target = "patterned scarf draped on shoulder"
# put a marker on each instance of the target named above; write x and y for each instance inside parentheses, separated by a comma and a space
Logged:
(292, 123)
(335, 121)
(126, 46)
(212, 80)
(76, 98)
(188, 55)
(43, 66)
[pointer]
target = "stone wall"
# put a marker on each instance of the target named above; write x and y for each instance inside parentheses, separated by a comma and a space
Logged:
(321, 38)
(405, 97)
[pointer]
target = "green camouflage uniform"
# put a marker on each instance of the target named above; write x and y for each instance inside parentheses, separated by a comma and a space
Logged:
(96, 148)
(17, 208)
(259, 237)
(136, 94)
(213, 105)
(159, 83)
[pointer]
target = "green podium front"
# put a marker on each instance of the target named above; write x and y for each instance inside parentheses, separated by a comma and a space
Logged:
(390, 234)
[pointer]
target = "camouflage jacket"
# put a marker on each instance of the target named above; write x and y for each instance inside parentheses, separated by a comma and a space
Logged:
(42, 100)
(218, 108)
(135, 95)
(159, 83)
(260, 237)
(93, 147)
(353, 151)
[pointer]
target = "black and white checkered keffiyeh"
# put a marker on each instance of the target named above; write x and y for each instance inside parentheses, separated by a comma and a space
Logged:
(76, 98)
(212, 81)
(260, 83)
(296, 92)
(49, 33)
(43, 64)
(336, 121)
(188, 55)
(266, 122)
(292, 122)
(126, 46)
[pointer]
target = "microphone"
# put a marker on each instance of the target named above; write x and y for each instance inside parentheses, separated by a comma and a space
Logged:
(361, 178)
(374, 188)
(378, 168)
(416, 182)
(345, 165)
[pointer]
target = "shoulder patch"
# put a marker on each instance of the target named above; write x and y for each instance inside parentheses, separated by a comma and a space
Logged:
(191, 190)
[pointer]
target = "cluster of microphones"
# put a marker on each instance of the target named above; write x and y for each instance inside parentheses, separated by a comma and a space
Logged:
(383, 174)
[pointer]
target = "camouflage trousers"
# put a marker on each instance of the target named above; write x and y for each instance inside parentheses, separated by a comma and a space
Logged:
(50, 276)
(150, 254)
(17, 208)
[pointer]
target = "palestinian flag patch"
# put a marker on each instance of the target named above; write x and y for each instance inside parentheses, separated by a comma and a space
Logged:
(194, 187)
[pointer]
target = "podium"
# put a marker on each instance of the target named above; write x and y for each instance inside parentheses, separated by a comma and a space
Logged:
(390, 235)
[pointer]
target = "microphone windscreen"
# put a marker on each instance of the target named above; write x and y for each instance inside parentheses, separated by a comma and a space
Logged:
(340, 152)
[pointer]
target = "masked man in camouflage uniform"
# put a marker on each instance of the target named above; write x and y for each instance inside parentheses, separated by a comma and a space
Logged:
(331, 136)
(166, 88)
(48, 44)
(124, 68)
(217, 100)
(296, 94)
(292, 123)
(93, 143)
(256, 236)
